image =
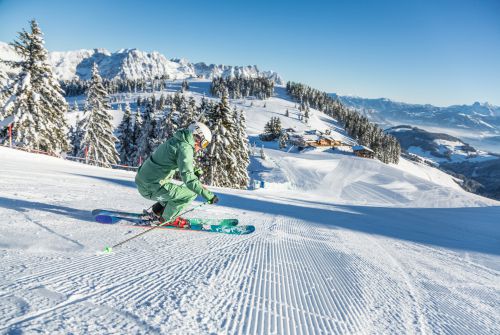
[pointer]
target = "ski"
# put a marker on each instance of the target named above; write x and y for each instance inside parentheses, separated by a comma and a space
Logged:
(96, 212)
(225, 226)
(194, 225)
(112, 217)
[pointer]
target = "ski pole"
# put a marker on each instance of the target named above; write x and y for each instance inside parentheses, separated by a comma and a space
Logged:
(109, 249)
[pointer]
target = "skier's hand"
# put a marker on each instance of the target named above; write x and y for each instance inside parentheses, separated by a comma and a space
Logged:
(198, 172)
(214, 200)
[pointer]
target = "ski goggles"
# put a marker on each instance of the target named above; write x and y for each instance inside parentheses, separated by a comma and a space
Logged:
(204, 144)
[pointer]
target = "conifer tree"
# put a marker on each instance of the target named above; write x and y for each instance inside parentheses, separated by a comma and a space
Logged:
(166, 126)
(126, 137)
(241, 179)
(76, 134)
(203, 111)
(306, 114)
(272, 129)
(220, 162)
(138, 124)
(146, 142)
(282, 140)
(35, 98)
(187, 111)
(98, 140)
(185, 86)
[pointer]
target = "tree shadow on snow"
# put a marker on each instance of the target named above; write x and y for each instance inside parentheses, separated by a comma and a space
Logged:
(121, 182)
(474, 229)
(26, 206)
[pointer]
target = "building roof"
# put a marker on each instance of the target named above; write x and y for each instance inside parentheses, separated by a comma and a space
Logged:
(361, 147)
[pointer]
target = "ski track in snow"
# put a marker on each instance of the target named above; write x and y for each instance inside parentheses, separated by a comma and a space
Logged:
(328, 274)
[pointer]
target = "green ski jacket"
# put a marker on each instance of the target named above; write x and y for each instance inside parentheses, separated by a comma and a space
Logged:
(176, 154)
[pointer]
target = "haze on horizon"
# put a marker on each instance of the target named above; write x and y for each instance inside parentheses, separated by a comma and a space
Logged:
(439, 52)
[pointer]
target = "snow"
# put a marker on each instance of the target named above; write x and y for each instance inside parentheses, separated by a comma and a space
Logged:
(342, 245)
(353, 246)
(453, 151)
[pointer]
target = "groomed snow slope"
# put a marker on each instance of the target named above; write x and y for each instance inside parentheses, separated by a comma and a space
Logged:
(316, 263)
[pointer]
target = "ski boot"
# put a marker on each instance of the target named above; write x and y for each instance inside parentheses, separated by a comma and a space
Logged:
(154, 214)
(180, 223)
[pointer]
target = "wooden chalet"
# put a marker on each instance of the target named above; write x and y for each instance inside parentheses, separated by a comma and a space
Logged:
(362, 151)
(322, 141)
(307, 140)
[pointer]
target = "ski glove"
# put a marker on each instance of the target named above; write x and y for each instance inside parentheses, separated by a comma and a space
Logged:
(214, 200)
(198, 172)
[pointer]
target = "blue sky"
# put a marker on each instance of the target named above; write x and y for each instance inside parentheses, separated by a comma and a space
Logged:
(439, 52)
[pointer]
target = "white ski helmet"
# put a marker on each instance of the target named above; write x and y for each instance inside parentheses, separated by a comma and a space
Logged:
(201, 130)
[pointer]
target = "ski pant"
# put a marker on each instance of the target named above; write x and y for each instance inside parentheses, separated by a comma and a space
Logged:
(174, 197)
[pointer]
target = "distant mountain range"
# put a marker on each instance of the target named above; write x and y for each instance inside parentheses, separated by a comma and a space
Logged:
(481, 117)
(135, 64)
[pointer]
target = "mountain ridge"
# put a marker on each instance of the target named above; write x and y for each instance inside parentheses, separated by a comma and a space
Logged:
(136, 64)
(483, 117)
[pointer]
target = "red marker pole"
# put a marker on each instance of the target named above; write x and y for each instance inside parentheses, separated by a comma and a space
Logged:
(10, 135)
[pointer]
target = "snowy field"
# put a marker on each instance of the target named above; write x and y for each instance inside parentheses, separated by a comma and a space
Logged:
(347, 245)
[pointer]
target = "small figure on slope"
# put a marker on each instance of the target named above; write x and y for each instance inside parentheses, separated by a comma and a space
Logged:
(154, 177)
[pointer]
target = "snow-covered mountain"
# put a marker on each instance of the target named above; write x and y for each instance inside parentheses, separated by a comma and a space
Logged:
(482, 117)
(479, 170)
(436, 147)
(136, 64)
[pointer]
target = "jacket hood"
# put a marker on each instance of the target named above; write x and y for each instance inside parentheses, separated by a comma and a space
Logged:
(184, 135)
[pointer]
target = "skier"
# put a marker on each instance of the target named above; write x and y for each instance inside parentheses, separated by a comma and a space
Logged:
(154, 177)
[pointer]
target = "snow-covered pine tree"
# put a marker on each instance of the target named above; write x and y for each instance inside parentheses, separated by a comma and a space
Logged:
(203, 111)
(98, 139)
(187, 111)
(126, 137)
(136, 136)
(193, 110)
(283, 139)
(76, 134)
(306, 114)
(146, 142)
(242, 154)
(220, 163)
(35, 98)
(272, 129)
(166, 126)
(185, 86)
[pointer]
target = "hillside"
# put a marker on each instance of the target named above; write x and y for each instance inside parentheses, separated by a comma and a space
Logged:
(436, 147)
(477, 168)
(354, 247)
(343, 245)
